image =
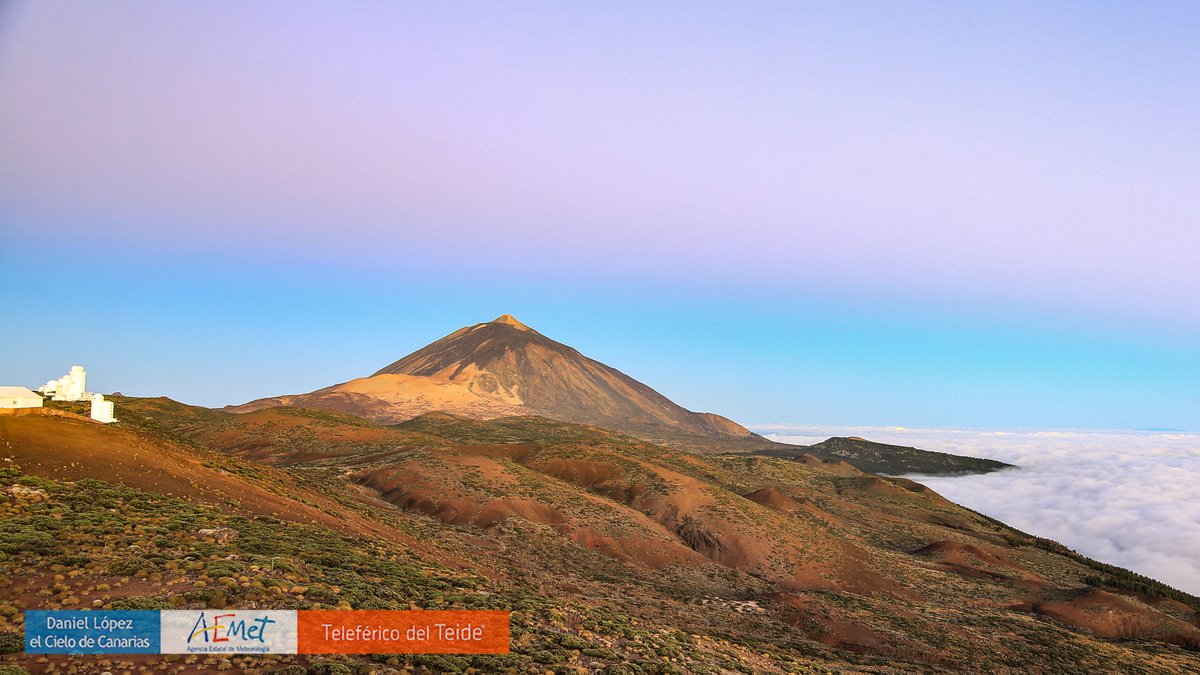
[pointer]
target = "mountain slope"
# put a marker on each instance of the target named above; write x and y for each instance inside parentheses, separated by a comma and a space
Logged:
(615, 553)
(502, 368)
(156, 460)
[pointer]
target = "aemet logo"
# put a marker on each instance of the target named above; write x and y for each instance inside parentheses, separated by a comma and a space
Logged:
(228, 632)
(235, 627)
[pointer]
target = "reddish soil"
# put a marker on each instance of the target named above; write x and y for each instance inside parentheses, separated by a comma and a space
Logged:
(978, 561)
(946, 521)
(68, 449)
(585, 474)
(1112, 616)
(961, 554)
(772, 498)
(643, 550)
(841, 468)
(920, 489)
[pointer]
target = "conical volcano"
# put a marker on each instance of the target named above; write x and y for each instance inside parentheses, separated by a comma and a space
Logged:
(504, 367)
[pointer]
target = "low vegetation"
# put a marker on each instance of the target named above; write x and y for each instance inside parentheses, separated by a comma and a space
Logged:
(614, 554)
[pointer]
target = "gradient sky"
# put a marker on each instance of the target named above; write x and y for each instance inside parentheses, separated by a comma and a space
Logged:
(943, 214)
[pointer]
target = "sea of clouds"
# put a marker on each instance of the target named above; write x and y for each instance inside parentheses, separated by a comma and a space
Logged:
(1130, 498)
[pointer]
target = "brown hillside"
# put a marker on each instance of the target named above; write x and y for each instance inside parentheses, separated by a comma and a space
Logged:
(64, 449)
(610, 550)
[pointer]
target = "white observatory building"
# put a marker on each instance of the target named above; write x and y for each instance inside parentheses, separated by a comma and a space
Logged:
(102, 411)
(73, 387)
(69, 387)
(19, 397)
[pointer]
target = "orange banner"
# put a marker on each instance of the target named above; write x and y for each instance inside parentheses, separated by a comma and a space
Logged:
(403, 632)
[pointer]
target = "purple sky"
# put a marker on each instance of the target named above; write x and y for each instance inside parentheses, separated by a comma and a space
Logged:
(1033, 165)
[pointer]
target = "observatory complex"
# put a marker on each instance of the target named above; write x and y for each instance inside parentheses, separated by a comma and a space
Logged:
(71, 387)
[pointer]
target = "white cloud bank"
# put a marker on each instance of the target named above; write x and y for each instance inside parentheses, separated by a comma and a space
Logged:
(1124, 497)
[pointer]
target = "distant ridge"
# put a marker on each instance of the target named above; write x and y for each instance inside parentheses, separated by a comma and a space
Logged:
(887, 459)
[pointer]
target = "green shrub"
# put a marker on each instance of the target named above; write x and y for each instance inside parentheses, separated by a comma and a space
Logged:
(322, 595)
(11, 643)
(130, 566)
(141, 602)
(568, 641)
(16, 539)
(443, 664)
(331, 668)
(35, 482)
(261, 544)
(549, 655)
(223, 568)
(70, 560)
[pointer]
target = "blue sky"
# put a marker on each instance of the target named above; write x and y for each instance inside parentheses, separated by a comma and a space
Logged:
(841, 213)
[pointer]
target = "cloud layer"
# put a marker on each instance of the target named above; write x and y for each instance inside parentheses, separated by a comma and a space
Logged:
(1124, 497)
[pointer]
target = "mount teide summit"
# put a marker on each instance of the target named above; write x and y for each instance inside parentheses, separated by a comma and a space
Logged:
(503, 368)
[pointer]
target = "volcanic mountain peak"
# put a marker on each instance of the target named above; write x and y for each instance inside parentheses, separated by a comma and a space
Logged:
(504, 367)
(510, 320)
(509, 362)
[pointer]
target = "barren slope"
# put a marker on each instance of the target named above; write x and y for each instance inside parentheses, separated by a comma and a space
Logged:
(613, 550)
